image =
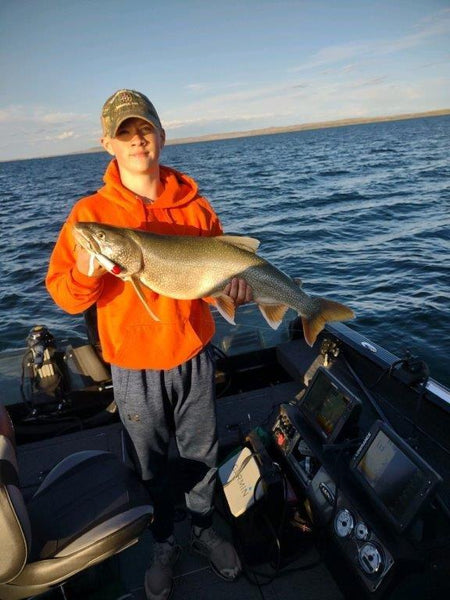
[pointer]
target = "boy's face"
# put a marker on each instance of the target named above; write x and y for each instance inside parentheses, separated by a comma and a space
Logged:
(137, 146)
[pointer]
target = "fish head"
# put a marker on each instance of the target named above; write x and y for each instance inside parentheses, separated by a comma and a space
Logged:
(116, 243)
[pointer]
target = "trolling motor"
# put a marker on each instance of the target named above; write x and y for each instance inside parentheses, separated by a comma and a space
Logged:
(44, 375)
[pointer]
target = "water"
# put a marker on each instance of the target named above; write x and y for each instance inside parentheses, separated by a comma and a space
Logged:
(360, 213)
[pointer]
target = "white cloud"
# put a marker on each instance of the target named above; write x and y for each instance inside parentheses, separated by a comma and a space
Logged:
(213, 119)
(64, 135)
(58, 118)
(196, 87)
(432, 27)
(11, 114)
(38, 115)
(38, 124)
(333, 54)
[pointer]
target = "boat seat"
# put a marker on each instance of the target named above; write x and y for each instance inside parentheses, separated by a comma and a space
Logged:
(89, 507)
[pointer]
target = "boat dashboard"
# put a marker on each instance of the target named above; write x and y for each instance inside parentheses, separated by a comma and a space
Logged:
(373, 496)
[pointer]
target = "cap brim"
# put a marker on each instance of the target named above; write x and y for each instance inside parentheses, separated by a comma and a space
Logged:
(118, 123)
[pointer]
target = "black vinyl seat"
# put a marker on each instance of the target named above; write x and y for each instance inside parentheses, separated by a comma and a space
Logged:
(89, 507)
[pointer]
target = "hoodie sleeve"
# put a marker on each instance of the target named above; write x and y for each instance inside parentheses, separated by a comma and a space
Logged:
(71, 290)
(216, 227)
(211, 222)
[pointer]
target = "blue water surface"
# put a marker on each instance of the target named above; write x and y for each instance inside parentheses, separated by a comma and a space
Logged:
(360, 213)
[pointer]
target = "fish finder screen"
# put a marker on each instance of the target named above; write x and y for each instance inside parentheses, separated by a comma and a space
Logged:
(396, 480)
(325, 406)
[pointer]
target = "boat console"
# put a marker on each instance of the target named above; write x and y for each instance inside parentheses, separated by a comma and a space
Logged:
(365, 488)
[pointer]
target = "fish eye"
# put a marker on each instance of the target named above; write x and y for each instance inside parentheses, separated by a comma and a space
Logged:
(101, 235)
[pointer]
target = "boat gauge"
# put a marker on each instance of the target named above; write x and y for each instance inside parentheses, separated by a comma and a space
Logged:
(370, 558)
(344, 523)
(361, 531)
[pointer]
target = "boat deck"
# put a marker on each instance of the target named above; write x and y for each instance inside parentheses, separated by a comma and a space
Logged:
(196, 580)
(122, 576)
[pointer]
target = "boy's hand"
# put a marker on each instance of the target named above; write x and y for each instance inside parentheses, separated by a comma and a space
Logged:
(84, 262)
(239, 290)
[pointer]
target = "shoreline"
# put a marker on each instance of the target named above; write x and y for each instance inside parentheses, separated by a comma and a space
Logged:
(306, 127)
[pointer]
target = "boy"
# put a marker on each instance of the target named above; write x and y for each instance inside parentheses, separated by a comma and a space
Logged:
(162, 371)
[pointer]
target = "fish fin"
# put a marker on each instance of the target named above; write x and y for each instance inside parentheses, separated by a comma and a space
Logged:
(137, 288)
(327, 310)
(227, 308)
(273, 313)
(246, 243)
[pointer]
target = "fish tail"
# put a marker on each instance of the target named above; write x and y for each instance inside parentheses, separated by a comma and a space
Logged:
(326, 310)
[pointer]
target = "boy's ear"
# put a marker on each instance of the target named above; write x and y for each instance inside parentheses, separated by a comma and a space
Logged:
(106, 143)
(163, 137)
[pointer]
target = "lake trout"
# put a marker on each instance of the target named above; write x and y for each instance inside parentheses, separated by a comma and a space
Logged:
(190, 267)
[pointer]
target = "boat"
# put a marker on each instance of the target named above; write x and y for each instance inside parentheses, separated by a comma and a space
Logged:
(334, 463)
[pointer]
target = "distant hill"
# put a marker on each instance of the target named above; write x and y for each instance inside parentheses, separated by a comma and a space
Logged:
(291, 128)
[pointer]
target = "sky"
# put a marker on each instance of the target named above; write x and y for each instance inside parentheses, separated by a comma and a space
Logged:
(214, 66)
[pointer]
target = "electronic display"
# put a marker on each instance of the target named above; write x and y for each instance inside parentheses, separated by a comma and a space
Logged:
(395, 476)
(328, 405)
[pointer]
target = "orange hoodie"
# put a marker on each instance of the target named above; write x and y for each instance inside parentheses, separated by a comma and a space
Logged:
(130, 338)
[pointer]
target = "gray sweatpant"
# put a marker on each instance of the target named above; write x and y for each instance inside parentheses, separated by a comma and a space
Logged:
(154, 404)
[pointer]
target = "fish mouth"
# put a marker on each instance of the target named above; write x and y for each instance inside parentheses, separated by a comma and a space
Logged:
(85, 240)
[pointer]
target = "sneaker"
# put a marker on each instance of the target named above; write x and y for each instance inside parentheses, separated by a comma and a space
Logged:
(222, 556)
(159, 576)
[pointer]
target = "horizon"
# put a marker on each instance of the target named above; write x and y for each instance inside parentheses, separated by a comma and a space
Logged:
(213, 69)
(216, 137)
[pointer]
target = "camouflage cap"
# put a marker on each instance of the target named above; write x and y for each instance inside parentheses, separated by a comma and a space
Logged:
(125, 104)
